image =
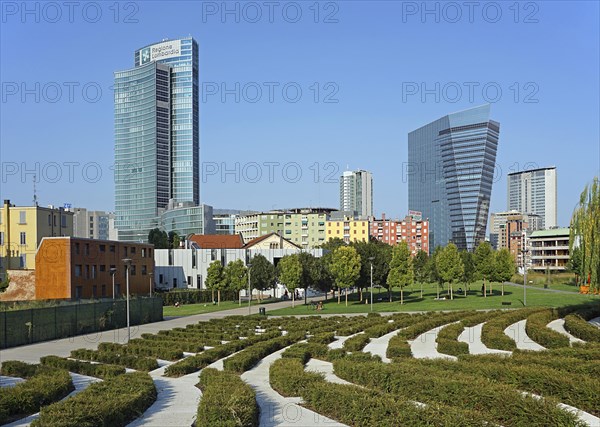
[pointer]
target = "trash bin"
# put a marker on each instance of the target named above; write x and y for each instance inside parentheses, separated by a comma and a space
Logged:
(262, 311)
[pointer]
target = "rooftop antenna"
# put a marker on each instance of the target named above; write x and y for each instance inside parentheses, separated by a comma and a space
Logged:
(35, 201)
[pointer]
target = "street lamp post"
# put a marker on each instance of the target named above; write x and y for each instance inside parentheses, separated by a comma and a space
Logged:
(151, 283)
(113, 271)
(249, 290)
(127, 262)
(371, 261)
(525, 276)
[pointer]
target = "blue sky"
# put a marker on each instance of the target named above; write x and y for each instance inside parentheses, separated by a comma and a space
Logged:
(372, 61)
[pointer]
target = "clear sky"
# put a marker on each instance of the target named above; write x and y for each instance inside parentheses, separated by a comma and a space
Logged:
(391, 66)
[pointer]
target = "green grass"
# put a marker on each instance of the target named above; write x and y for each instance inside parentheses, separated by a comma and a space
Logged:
(413, 301)
(558, 281)
(190, 309)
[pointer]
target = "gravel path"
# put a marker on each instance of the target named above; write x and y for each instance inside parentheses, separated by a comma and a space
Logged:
(378, 346)
(517, 332)
(425, 346)
(276, 410)
(558, 325)
(472, 336)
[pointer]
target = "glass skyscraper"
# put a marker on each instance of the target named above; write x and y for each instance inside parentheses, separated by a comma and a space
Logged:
(156, 136)
(450, 172)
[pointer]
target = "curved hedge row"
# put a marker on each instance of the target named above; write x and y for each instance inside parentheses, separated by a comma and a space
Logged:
(447, 340)
(129, 361)
(114, 402)
(98, 370)
(492, 333)
(43, 386)
(577, 325)
(538, 331)
(306, 351)
(226, 401)
(356, 343)
(428, 384)
(250, 356)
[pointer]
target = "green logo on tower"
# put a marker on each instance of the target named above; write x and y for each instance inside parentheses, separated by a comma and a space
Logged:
(145, 55)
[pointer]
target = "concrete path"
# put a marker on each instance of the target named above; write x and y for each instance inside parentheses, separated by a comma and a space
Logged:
(9, 381)
(425, 346)
(63, 347)
(176, 403)
(558, 325)
(378, 346)
(595, 322)
(276, 410)
(472, 336)
(339, 341)
(325, 368)
(80, 382)
(517, 332)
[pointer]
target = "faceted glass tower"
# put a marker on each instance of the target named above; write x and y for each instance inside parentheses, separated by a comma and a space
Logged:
(450, 172)
(156, 136)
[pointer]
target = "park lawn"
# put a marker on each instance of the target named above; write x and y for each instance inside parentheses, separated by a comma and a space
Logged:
(206, 307)
(413, 301)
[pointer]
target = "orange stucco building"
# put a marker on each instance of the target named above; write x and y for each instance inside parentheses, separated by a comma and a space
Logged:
(74, 268)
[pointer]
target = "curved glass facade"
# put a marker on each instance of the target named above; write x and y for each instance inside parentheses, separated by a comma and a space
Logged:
(451, 165)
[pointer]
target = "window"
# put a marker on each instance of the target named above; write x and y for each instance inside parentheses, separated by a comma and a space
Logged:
(198, 281)
(189, 280)
(94, 290)
(103, 291)
(23, 238)
(78, 292)
(87, 248)
(102, 248)
(125, 250)
(87, 271)
(132, 250)
(174, 282)
(1, 238)
(49, 219)
(111, 248)
(144, 270)
(160, 278)
(63, 221)
(143, 252)
(78, 271)
(132, 270)
(103, 268)
(77, 248)
(22, 217)
(94, 272)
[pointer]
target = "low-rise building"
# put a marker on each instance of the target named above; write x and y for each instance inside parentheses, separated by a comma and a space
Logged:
(93, 224)
(549, 249)
(412, 229)
(22, 228)
(75, 268)
(349, 229)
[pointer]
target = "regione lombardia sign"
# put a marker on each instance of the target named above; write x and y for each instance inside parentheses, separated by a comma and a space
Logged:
(164, 50)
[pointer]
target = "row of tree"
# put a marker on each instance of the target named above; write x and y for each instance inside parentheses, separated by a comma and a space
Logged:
(161, 240)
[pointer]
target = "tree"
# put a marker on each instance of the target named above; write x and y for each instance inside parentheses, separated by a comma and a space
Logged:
(381, 253)
(311, 271)
(574, 263)
(450, 266)
(290, 273)
(401, 270)
(504, 266)
(484, 263)
(469, 269)
(345, 268)
(158, 238)
(215, 278)
(236, 275)
(433, 269)
(262, 273)
(420, 264)
(585, 233)
(174, 240)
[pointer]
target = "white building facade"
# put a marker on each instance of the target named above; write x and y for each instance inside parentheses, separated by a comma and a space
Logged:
(534, 192)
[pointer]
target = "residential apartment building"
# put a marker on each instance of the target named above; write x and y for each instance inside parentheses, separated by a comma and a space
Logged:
(534, 191)
(451, 172)
(22, 228)
(74, 268)
(93, 224)
(349, 229)
(412, 229)
(356, 192)
(305, 227)
(549, 249)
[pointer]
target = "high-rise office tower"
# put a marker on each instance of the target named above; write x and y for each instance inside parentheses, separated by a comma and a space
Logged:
(156, 135)
(356, 192)
(450, 172)
(534, 192)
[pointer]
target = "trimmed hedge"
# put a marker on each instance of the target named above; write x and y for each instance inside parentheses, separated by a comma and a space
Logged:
(195, 296)
(288, 378)
(44, 386)
(538, 331)
(322, 338)
(492, 333)
(114, 402)
(356, 343)
(249, 357)
(577, 325)
(306, 351)
(143, 348)
(16, 368)
(226, 401)
(129, 361)
(447, 340)
(503, 404)
(98, 370)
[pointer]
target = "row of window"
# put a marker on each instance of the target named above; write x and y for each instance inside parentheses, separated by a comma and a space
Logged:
(91, 271)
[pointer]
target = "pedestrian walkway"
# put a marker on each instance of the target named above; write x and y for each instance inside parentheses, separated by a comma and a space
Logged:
(378, 346)
(595, 322)
(472, 336)
(9, 381)
(425, 346)
(558, 325)
(325, 368)
(517, 332)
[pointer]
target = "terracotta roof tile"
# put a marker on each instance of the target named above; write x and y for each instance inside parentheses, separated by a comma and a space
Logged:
(218, 241)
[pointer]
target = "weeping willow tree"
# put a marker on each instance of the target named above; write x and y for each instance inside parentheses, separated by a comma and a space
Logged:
(585, 233)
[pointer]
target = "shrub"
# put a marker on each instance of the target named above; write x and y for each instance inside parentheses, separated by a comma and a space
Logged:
(576, 325)
(536, 329)
(226, 401)
(16, 368)
(249, 357)
(114, 402)
(306, 351)
(322, 338)
(288, 378)
(128, 361)
(492, 333)
(356, 343)
(447, 340)
(98, 370)
(44, 386)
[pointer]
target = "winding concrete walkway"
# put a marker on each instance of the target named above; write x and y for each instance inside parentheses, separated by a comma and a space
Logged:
(378, 346)
(276, 410)
(595, 322)
(9, 381)
(425, 346)
(80, 382)
(339, 341)
(176, 403)
(472, 336)
(558, 325)
(325, 368)
(517, 332)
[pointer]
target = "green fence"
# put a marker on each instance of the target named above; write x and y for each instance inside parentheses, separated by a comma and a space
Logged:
(27, 326)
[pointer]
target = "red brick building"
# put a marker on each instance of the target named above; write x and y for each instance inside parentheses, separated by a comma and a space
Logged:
(411, 230)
